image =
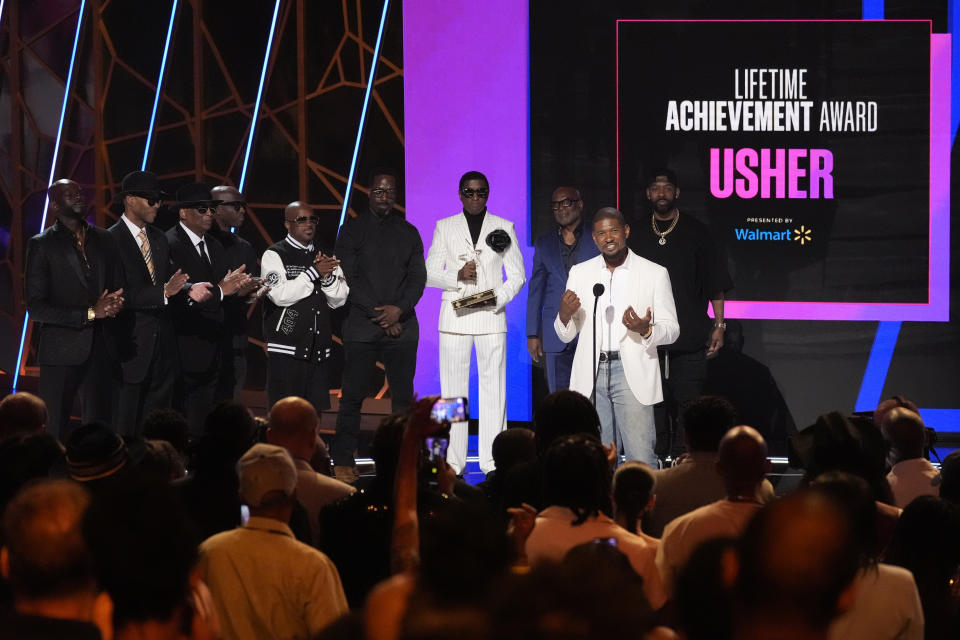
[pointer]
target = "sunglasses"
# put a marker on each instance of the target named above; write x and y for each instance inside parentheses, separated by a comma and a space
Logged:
(237, 205)
(304, 220)
(471, 193)
(204, 210)
(566, 203)
(150, 198)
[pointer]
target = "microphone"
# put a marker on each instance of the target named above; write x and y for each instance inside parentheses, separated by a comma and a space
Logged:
(598, 290)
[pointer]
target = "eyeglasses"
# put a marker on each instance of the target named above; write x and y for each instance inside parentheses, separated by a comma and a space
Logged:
(566, 203)
(379, 193)
(237, 205)
(150, 198)
(472, 193)
(304, 220)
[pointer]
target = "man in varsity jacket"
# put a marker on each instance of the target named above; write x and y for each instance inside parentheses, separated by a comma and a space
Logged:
(304, 284)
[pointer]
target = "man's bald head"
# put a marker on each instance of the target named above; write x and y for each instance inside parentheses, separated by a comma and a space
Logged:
(22, 413)
(44, 552)
(798, 555)
(906, 433)
(66, 199)
(293, 425)
(742, 460)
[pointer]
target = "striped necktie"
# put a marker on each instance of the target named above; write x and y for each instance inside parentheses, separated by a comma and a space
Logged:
(147, 255)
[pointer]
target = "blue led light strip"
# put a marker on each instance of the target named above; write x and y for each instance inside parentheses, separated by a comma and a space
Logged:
(363, 113)
(256, 108)
(872, 10)
(156, 98)
(53, 170)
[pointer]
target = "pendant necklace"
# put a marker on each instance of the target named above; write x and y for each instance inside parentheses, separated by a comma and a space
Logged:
(663, 234)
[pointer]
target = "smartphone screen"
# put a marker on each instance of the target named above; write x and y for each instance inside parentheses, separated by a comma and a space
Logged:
(450, 410)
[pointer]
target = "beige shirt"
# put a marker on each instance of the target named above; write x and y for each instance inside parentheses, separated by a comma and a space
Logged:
(719, 519)
(692, 483)
(266, 584)
(912, 478)
(315, 491)
(886, 605)
(554, 534)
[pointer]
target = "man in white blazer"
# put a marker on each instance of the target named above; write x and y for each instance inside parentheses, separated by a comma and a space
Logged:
(627, 368)
(470, 253)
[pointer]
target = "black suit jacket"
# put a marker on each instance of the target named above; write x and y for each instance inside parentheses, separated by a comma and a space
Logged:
(58, 294)
(199, 327)
(145, 317)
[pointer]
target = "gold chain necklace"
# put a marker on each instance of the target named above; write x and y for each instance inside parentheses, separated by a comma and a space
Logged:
(663, 234)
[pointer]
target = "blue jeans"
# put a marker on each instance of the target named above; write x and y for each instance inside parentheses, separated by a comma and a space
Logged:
(623, 419)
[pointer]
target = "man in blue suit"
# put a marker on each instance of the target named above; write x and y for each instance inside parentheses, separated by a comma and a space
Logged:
(554, 253)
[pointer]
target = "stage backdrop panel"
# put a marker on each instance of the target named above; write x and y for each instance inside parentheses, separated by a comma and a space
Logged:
(806, 145)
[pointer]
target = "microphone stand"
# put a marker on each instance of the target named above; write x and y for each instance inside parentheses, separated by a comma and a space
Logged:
(597, 292)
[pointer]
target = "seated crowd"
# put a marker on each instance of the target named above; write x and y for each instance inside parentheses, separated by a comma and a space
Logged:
(243, 533)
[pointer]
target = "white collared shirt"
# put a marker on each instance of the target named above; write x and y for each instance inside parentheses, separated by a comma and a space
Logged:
(196, 240)
(613, 303)
(134, 229)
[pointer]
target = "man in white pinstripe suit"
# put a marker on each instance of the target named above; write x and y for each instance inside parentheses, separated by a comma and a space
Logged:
(470, 253)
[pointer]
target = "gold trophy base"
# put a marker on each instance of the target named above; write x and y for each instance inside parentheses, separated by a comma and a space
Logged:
(480, 299)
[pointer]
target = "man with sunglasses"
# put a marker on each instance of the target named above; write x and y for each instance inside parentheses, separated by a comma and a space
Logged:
(228, 216)
(143, 331)
(198, 308)
(554, 253)
(73, 282)
(470, 253)
(382, 259)
(305, 283)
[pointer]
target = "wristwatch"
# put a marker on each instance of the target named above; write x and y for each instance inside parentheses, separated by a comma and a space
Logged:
(91, 314)
(719, 325)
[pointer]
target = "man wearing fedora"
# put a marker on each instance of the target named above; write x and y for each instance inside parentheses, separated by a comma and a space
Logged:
(143, 332)
(73, 282)
(198, 309)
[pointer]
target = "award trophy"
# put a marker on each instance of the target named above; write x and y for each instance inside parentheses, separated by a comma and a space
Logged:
(485, 298)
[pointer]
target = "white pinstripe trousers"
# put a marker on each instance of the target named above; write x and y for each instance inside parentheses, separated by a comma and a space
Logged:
(455, 351)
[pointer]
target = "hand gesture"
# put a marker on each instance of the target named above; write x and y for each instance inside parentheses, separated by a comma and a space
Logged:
(389, 315)
(394, 330)
(522, 521)
(200, 292)
(468, 272)
(535, 347)
(716, 341)
(569, 303)
(325, 264)
(108, 304)
(633, 322)
(235, 280)
(175, 283)
(612, 454)
(250, 287)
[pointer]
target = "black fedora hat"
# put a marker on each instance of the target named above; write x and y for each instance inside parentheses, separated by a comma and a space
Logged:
(95, 451)
(195, 194)
(141, 183)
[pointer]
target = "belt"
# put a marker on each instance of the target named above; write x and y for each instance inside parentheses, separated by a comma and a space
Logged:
(609, 355)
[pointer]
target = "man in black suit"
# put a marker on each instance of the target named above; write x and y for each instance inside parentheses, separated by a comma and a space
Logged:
(73, 282)
(143, 332)
(198, 308)
(227, 219)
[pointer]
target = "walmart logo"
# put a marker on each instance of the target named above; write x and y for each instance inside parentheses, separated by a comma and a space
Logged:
(802, 235)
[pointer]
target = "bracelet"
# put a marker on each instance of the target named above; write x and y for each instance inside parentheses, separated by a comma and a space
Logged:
(719, 325)
(649, 332)
(329, 280)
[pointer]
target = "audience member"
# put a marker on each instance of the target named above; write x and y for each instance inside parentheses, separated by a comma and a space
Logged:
(25, 458)
(169, 425)
(145, 552)
(911, 474)
(888, 405)
(99, 458)
(162, 461)
(576, 483)
(950, 477)
(885, 601)
(510, 448)
(22, 413)
(634, 494)
(693, 482)
(703, 594)
(797, 562)
(562, 413)
(925, 543)
(50, 568)
(209, 493)
(266, 584)
(294, 426)
(742, 463)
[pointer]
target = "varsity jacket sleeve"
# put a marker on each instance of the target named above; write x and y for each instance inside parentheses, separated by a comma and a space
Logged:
(336, 290)
(283, 292)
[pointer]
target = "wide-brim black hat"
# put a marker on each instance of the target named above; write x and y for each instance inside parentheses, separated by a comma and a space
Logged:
(96, 451)
(141, 183)
(195, 194)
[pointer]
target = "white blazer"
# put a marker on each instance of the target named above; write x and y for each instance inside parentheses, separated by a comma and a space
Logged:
(451, 249)
(651, 288)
